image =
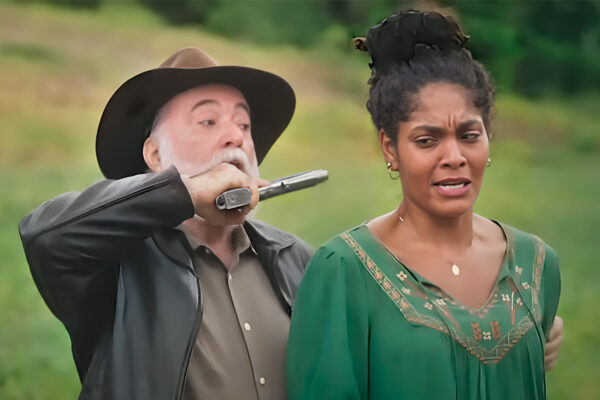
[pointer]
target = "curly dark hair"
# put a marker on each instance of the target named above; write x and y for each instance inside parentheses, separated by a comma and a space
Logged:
(393, 89)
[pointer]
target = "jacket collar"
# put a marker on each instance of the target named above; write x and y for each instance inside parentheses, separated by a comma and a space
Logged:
(174, 244)
(267, 241)
(263, 237)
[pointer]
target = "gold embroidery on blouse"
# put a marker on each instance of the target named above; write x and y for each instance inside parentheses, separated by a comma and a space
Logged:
(408, 295)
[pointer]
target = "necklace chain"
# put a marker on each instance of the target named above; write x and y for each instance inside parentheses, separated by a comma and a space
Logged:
(454, 267)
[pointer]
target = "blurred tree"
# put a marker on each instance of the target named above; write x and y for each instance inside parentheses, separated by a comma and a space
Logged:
(89, 4)
(558, 56)
(536, 47)
(182, 11)
(563, 21)
(285, 21)
(532, 47)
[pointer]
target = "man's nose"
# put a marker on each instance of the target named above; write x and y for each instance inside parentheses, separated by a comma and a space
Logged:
(453, 156)
(233, 136)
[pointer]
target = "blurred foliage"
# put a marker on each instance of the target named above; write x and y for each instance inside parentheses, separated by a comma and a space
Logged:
(59, 65)
(269, 22)
(536, 47)
(531, 47)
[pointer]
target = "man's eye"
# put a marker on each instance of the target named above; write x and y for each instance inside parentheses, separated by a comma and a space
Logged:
(207, 122)
(245, 127)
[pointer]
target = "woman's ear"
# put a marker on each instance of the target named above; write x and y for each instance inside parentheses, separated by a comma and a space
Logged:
(388, 148)
(152, 155)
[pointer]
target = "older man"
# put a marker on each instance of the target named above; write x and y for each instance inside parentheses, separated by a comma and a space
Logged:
(163, 295)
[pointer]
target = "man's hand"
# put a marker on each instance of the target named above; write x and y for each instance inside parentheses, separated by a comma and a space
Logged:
(205, 187)
(553, 344)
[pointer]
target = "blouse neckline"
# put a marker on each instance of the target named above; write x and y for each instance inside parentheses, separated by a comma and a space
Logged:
(503, 272)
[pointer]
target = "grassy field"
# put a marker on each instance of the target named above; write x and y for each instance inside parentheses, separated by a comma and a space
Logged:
(58, 68)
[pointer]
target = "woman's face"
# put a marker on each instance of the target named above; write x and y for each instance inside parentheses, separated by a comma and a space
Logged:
(441, 152)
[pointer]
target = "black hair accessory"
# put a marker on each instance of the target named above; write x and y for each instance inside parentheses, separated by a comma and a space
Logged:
(393, 40)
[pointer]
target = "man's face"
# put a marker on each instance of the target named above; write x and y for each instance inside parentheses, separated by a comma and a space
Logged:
(202, 127)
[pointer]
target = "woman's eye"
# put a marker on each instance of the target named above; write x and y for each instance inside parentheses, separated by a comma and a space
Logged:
(471, 135)
(245, 127)
(207, 122)
(425, 141)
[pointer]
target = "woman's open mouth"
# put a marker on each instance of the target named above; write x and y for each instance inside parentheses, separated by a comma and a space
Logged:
(453, 187)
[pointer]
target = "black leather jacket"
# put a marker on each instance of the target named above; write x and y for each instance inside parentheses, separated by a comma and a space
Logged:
(110, 266)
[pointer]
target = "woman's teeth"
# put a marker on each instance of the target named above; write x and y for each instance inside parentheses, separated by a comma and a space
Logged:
(454, 186)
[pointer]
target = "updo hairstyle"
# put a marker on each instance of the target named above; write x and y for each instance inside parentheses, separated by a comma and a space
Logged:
(410, 50)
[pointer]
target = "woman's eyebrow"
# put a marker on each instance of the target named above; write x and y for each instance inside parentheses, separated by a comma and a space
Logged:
(468, 123)
(428, 128)
(437, 129)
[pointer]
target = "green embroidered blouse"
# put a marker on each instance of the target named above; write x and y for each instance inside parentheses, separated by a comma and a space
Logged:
(366, 327)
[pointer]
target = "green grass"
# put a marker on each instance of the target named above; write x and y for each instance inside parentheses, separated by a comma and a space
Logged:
(58, 67)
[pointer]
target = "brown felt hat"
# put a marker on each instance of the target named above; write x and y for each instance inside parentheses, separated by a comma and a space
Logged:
(130, 112)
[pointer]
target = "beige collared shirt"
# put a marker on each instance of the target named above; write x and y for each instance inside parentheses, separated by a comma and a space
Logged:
(239, 352)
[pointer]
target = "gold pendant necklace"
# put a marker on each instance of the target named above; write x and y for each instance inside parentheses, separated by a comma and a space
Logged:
(455, 269)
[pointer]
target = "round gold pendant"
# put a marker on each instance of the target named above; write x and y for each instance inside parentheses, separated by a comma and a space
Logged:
(455, 270)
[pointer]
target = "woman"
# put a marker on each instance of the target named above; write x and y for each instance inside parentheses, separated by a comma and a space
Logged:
(429, 301)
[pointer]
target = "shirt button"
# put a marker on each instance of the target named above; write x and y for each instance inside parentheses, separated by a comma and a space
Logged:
(247, 327)
(262, 380)
(207, 250)
(229, 276)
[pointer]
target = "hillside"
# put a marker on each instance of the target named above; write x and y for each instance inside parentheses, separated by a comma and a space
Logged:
(58, 67)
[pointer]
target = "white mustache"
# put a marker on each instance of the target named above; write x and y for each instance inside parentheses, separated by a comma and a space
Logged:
(234, 156)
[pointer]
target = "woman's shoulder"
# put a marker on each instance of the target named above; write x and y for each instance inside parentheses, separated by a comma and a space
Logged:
(521, 237)
(340, 245)
(340, 251)
(529, 243)
(334, 266)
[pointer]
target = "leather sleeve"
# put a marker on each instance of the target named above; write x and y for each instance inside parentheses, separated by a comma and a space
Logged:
(74, 243)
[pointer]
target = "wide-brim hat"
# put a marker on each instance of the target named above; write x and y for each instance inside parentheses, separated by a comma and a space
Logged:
(130, 112)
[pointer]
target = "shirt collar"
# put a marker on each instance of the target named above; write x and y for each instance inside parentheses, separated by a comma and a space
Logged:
(241, 241)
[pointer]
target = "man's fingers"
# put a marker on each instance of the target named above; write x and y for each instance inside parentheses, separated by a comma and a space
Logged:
(204, 188)
(263, 182)
(557, 328)
(549, 363)
(230, 177)
(233, 178)
(255, 196)
(552, 347)
(550, 360)
(554, 343)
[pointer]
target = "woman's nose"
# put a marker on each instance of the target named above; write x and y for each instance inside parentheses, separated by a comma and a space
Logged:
(453, 156)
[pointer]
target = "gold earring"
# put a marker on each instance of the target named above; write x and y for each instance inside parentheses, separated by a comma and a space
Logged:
(489, 162)
(389, 167)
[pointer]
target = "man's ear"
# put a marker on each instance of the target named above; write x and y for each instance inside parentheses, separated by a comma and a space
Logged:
(152, 155)
(388, 149)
